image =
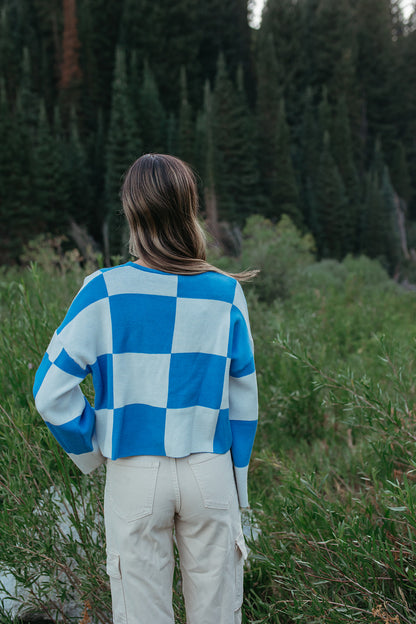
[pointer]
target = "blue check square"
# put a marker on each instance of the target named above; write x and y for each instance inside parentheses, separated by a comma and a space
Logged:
(208, 285)
(138, 430)
(142, 323)
(194, 380)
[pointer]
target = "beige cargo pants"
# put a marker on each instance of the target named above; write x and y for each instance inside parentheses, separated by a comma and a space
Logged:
(146, 497)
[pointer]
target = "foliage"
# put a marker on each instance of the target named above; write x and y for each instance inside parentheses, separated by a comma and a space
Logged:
(129, 77)
(279, 251)
(332, 476)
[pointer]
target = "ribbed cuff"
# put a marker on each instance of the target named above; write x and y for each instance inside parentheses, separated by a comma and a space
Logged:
(87, 462)
(240, 475)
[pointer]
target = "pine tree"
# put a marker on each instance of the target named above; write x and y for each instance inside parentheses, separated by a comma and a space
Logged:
(341, 147)
(205, 159)
(17, 217)
(400, 173)
(186, 139)
(269, 93)
(380, 238)
(49, 179)
(406, 123)
(283, 20)
(150, 118)
(9, 50)
(223, 129)
(223, 29)
(376, 67)
(123, 147)
(172, 141)
(235, 169)
(285, 193)
(99, 22)
(307, 158)
(167, 35)
(330, 205)
(331, 46)
(324, 113)
(247, 193)
(28, 101)
(76, 175)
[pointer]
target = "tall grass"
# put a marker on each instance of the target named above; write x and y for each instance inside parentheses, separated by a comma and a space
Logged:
(332, 480)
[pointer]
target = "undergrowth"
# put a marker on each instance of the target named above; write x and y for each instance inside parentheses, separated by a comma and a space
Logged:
(333, 474)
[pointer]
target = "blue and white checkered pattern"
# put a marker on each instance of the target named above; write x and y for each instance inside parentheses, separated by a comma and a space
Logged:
(171, 358)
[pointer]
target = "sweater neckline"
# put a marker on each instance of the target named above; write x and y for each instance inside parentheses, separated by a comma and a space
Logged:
(140, 267)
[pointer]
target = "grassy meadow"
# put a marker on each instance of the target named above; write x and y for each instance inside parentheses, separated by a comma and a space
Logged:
(333, 473)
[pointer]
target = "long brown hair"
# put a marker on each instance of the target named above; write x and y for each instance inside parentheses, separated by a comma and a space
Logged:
(160, 201)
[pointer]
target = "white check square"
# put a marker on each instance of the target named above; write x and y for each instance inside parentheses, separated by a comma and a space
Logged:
(104, 430)
(126, 280)
(201, 326)
(190, 428)
(141, 378)
(88, 340)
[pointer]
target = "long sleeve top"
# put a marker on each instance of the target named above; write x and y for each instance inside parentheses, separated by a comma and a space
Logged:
(171, 359)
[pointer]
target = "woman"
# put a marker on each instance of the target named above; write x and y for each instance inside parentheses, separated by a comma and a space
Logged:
(168, 344)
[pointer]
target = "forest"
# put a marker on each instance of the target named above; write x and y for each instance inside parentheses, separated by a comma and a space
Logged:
(312, 115)
(303, 136)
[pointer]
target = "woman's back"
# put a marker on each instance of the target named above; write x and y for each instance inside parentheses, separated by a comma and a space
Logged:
(169, 355)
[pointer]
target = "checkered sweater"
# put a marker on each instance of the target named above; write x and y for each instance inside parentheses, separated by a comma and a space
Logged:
(171, 359)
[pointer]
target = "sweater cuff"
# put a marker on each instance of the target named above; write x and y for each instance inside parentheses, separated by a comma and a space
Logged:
(240, 475)
(87, 462)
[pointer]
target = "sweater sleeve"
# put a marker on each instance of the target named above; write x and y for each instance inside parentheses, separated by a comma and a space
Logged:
(243, 403)
(58, 397)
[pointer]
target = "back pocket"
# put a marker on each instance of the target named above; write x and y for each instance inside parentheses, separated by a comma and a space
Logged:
(215, 478)
(130, 486)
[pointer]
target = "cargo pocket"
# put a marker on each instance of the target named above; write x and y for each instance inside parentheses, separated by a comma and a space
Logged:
(240, 555)
(117, 591)
(215, 478)
(130, 487)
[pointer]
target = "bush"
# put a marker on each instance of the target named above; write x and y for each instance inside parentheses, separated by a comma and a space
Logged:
(279, 251)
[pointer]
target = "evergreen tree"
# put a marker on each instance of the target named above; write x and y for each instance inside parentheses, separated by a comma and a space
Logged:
(151, 118)
(224, 137)
(400, 173)
(247, 193)
(77, 175)
(379, 239)
(98, 29)
(97, 161)
(376, 67)
(283, 20)
(307, 158)
(285, 195)
(330, 205)
(341, 147)
(223, 28)
(406, 123)
(186, 148)
(205, 159)
(269, 93)
(49, 179)
(234, 162)
(123, 147)
(324, 113)
(9, 50)
(331, 46)
(15, 212)
(27, 98)
(167, 35)
(172, 140)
